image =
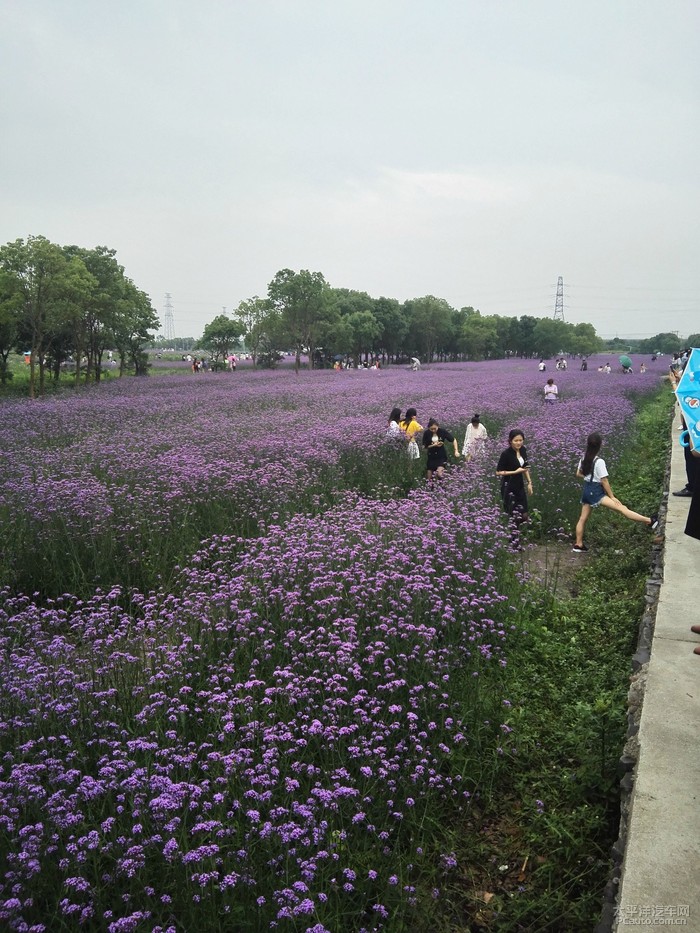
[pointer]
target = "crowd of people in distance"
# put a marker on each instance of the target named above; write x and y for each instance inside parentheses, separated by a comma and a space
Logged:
(341, 364)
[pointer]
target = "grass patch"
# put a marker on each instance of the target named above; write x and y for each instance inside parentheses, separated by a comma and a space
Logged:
(537, 852)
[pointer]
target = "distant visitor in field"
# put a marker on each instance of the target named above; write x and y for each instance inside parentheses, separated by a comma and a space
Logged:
(597, 491)
(411, 427)
(551, 392)
(434, 442)
(474, 439)
(584, 365)
(516, 484)
(542, 366)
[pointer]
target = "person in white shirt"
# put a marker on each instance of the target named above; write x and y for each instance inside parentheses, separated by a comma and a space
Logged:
(551, 392)
(597, 491)
(474, 439)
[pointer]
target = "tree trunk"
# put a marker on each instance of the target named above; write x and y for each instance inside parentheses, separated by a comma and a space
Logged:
(32, 375)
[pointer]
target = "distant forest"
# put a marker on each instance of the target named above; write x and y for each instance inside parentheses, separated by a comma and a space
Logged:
(304, 314)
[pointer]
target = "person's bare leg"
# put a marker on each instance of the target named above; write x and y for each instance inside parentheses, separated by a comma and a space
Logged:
(581, 524)
(617, 506)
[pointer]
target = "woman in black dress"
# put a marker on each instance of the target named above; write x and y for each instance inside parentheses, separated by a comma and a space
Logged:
(516, 483)
(434, 442)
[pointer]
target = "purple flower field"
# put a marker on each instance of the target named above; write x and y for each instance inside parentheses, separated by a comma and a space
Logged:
(279, 727)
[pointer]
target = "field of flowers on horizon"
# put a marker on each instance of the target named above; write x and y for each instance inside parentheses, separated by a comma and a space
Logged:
(280, 726)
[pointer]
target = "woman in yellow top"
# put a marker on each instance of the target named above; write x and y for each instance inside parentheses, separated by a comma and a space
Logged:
(410, 427)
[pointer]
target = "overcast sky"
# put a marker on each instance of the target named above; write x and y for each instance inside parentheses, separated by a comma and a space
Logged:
(475, 150)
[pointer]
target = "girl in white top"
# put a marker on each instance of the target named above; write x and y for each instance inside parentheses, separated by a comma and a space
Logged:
(597, 491)
(551, 392)
(393, 429)
(474, 439)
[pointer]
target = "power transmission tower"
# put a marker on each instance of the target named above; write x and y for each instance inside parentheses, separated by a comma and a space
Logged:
(559, 303)
(168, 319)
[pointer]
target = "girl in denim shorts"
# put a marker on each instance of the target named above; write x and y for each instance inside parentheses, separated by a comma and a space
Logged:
(597, 491)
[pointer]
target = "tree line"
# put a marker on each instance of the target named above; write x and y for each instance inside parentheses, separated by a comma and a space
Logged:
(62, 304)
(69, 305)
(303, 313)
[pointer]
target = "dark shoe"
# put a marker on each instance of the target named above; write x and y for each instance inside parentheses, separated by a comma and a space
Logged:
(654, 522)
(695, 629)
(579, 548)
(685, 493)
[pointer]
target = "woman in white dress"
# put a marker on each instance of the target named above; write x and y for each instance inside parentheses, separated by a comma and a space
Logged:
(474, 439)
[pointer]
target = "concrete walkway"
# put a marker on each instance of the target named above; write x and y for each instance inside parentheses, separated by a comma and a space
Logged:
(660, 883)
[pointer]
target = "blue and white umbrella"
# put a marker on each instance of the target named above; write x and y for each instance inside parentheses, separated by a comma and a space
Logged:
(688, 395)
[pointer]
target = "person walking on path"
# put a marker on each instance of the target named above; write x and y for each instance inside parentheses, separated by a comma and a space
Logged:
(516, 483)
(597, 491)
(474, 439)
(434, 442)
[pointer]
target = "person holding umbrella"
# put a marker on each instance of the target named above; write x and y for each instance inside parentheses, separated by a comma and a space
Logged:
(626, 364)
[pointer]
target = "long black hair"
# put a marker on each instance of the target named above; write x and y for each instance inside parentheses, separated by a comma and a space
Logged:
(593, 444)
(395, 415)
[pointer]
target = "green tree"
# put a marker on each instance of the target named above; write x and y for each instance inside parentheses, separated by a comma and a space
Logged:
(73, 309)
(348, 301)
(585, 341)
(340, 339)
(221, 335)
(479, 336)
(254, 313)
(10, 311)
(523, 335)
(104, 305)
(393, 323)
(39, 271)
(667, 342)
(134, 320)
(430, 325)
(364, 332)
(303, 304)
(551, 337)
(693, 340)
